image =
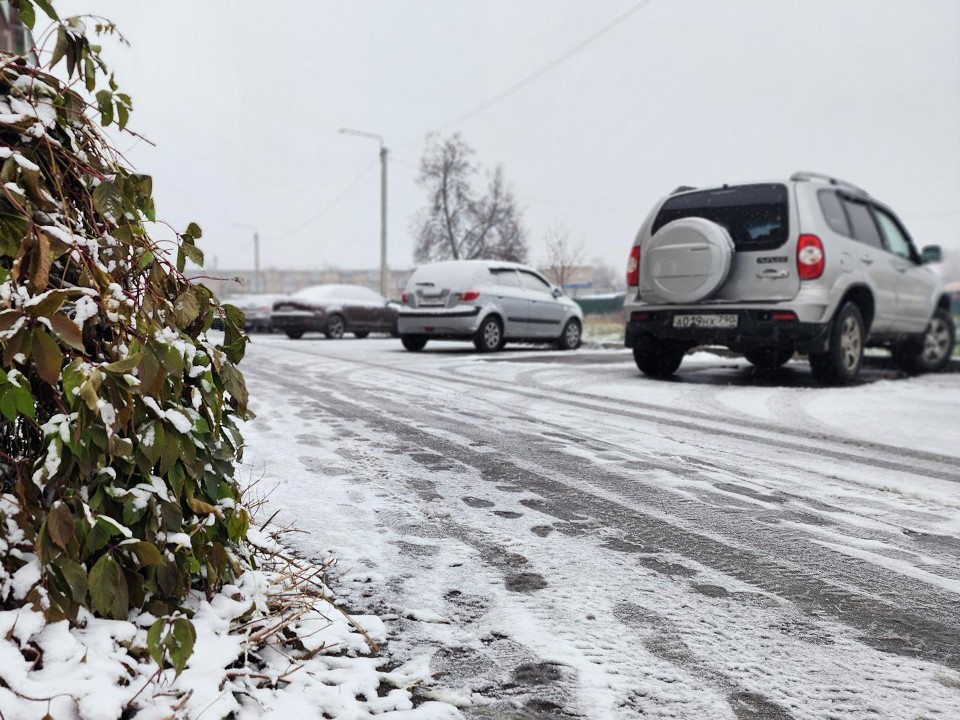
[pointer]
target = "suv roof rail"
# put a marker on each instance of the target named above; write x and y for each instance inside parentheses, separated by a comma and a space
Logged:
(803, 175)
(682, 188)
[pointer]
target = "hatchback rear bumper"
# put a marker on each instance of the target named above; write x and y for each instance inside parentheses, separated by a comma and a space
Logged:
(441, 323)
(754, 329)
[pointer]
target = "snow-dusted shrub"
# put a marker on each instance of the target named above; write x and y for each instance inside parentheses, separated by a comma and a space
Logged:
(117, 435)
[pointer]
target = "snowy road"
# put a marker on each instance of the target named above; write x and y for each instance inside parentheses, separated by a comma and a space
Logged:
(561, 537)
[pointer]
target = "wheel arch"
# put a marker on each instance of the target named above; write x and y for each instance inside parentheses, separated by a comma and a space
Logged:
(862, 297)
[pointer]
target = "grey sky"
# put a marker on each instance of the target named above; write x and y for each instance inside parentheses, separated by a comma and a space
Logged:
(244, 99)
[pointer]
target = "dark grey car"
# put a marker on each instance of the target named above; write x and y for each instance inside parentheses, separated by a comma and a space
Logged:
(334, 310)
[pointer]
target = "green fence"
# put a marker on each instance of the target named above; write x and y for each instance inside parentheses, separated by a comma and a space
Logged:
(601, 304)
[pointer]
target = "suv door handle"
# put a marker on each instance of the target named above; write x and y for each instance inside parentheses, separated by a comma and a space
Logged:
(773, 274)
(866, 259)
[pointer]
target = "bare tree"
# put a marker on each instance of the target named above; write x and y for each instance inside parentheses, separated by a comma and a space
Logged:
(458, 223)
(563, 255)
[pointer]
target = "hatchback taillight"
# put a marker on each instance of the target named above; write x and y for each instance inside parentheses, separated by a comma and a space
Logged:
(403, 298)
(810, 257)
(633, 267)
(469, 295)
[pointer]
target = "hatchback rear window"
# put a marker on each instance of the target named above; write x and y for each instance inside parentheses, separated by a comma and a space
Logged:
(756, 216)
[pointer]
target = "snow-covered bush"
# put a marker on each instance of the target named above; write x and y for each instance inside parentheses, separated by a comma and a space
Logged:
(117, 436)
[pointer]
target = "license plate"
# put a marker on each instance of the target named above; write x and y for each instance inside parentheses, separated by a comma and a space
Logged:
(705, 321)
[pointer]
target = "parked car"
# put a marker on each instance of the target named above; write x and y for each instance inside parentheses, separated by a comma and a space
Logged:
(256, 310)
(335, 310)
(486, 302)
(811, 264)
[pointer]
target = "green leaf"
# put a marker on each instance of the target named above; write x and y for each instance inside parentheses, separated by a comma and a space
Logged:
(107, 587)
(24, 401)
(61, 48)
(147, 553)
(47, 8)
(89, 74)
(121, 367)
(154, 640)
(193, 253)
(193, 232)
(26, 12)
(234, 384)
(105, 105)
(123, 116)
(186, 308)
(76, 577)
(184, 636)
(47, 356)
(60, 525)
(8, 405)
(107, 198)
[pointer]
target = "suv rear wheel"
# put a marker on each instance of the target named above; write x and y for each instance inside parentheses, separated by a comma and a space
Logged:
(658, 357)
(930, 352)
(841, 362)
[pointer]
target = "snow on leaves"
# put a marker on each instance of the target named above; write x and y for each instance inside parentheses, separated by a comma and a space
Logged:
(118, 437)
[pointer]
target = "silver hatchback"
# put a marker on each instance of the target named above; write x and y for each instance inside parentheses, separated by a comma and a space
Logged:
(487, 302)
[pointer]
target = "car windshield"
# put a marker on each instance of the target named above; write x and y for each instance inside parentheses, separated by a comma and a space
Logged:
(755, 215)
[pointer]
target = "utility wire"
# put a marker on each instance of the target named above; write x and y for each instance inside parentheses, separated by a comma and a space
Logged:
(520, 84)
(329, 206)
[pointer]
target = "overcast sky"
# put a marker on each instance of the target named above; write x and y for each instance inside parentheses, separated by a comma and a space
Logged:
(244, 99)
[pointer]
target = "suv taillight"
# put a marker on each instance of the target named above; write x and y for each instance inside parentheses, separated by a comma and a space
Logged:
(469, 295)
(633, 267)
(403, 298)
(810, 257)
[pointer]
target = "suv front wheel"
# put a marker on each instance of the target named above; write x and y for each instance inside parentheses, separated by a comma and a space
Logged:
(658, 357)
(930, 352)
(841, 362)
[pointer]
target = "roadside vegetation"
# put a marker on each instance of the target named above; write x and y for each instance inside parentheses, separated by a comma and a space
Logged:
(126, 542)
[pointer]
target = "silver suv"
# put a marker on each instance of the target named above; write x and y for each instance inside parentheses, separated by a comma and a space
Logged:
(812, 265)
(487, 302)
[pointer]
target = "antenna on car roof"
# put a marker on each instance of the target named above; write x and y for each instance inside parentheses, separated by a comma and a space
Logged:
(683, 188)
(802, 175)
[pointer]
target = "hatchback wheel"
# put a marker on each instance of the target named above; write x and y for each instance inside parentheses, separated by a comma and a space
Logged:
(361, 335)
(489, 337)
(932, 351)
(335, 327)
(841, 362)
(414, 343)
(570, 337)
(658, 357)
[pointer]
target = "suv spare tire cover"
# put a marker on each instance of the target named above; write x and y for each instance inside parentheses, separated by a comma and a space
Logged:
(687, 260)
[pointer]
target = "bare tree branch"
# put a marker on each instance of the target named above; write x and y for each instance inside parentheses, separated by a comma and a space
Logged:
(458, 223)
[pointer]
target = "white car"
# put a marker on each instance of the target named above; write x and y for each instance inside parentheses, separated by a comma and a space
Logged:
(487, 302)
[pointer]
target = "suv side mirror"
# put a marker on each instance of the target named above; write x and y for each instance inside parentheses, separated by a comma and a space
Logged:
(557, 292)
(931, 254)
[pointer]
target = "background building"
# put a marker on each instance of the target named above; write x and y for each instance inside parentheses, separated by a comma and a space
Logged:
(15, 37)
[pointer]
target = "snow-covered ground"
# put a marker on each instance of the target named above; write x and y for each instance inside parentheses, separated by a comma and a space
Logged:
(551, 534)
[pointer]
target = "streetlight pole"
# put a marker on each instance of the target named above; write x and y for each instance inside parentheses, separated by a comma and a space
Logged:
(256, 285)
(383, 203)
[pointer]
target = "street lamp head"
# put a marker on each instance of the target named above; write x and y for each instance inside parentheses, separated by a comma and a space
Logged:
(361, 133)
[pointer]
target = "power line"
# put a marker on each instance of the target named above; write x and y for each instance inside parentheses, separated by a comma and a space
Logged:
(522, 83)
(329, 206)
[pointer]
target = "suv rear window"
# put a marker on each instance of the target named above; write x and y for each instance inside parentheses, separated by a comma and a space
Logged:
(756, 216)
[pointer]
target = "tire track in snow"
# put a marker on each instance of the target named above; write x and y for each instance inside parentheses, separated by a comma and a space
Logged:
(933, 465)
(911, 620)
